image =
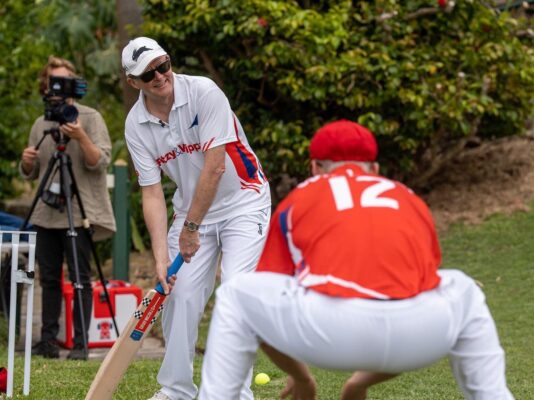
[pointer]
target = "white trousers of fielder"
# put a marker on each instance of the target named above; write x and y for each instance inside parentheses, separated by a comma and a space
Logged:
(241, 240)
(354, 334)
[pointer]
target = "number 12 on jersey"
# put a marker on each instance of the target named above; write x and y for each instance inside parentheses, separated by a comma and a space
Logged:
(370, 197)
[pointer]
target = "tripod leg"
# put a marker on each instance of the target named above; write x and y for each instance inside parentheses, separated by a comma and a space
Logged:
(89, 233)
(40, 189)
(84, 268)
(82, 320)
(66, 180)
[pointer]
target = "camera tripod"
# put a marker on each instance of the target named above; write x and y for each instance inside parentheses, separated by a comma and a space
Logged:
(61, 161)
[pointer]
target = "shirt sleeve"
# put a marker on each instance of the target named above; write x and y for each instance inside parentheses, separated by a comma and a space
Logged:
(276, 256)
(97, 131)
(147, 170)
(215, 118)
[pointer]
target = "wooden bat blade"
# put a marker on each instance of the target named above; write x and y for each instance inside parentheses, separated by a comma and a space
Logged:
(124, 349)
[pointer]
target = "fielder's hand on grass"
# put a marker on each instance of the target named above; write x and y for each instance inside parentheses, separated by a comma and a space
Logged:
(300, 389)
(355, 388)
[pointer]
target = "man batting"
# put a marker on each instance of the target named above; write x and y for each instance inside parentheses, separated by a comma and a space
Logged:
(349, 280)
(183, 126)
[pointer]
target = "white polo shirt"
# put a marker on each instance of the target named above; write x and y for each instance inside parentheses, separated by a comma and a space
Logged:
(200, 119)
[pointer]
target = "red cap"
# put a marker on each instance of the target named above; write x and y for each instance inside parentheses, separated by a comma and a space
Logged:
(343, 140)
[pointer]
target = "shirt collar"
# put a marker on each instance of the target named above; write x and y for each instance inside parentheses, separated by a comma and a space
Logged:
(356, 169)
(142, 116)
(180, 93)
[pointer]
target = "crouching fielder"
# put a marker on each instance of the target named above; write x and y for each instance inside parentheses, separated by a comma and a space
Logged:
(349, 280)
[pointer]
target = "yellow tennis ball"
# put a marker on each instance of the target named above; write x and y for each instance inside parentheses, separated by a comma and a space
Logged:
(262, 379)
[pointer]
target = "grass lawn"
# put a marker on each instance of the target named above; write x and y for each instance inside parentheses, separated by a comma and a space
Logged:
(499, 254)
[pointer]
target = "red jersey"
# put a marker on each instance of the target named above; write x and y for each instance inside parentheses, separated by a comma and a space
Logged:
(350, 233)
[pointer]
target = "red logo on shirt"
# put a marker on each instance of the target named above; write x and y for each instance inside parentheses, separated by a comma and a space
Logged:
(183, 148)
(192, 148)
(171, 155)
(189, 148)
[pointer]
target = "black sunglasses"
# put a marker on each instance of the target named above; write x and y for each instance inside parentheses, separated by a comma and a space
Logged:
(147, 76)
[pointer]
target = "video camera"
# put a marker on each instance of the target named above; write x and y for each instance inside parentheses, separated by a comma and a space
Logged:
(61, 88)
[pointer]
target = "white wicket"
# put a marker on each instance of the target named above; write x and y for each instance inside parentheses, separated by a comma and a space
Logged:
(26, 277)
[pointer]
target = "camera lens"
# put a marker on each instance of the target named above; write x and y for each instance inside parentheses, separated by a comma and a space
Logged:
(68, 113)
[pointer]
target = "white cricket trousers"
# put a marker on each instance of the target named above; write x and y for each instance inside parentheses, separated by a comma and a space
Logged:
(354, 334)
(241, 240)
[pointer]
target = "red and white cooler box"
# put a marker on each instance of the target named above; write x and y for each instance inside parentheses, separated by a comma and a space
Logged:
(125, 298)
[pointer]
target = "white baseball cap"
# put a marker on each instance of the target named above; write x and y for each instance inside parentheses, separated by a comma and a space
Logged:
(138, 53)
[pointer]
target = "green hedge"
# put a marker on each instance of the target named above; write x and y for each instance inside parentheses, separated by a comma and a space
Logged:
(426, 79)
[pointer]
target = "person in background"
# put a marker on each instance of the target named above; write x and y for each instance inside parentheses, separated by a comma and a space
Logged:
(349, 280)
(89, 148)
(183, 126)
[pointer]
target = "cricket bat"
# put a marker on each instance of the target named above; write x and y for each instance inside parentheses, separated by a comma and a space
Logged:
(124, 349)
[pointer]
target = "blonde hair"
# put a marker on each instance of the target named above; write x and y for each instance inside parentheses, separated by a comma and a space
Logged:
(53, 62)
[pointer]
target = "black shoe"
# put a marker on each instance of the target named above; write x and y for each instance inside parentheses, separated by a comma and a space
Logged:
(46, 349)
(78, 353)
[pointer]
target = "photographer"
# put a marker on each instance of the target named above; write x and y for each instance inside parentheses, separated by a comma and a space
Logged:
(88, 144)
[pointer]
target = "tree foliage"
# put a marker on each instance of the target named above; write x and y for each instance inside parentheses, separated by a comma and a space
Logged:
(82, 31)
(426, 79)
